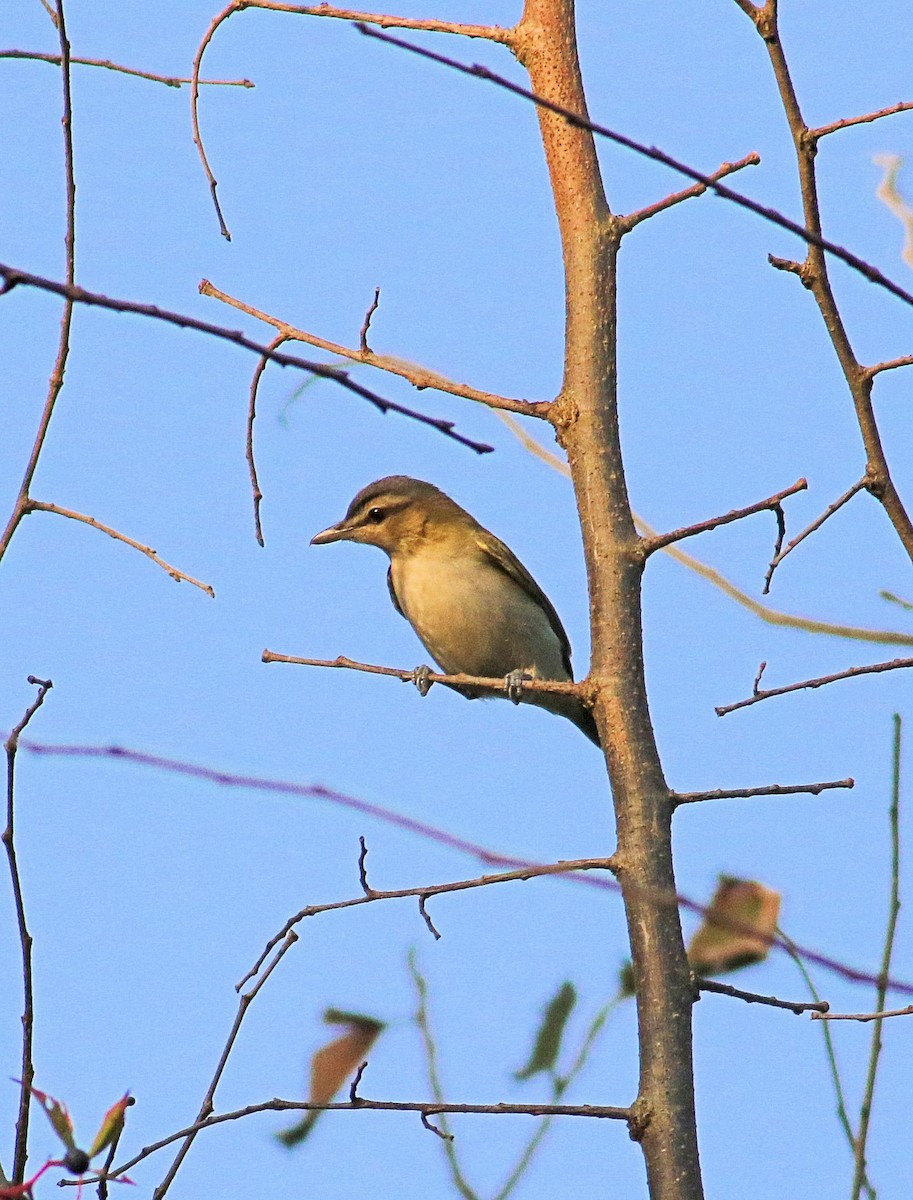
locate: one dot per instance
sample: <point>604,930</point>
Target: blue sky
<point>351,166</point>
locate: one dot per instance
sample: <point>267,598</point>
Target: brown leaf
<point>737,927</point>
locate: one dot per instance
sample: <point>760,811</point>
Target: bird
<point>475,607</point>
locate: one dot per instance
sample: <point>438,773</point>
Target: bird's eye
<point>376,515</point>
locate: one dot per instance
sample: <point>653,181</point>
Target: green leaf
<point>548,1040</point>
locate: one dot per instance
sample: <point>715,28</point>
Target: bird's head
<point>396,514</point>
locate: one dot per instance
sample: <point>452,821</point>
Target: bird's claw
<point>420,678</point>
<point>513,685</point>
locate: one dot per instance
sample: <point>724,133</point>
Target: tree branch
<point>178,576</point>
<point>13,278</point>
<point>816,524</point>
<point>772,503</point>
<point>726,989</point>
<point>631,220</point>
<point>548,686</point>
<point>772,789</point>
<point>762,694</point>
<point>867,118</point>
<point>420,377</point>
<point>172,81</point>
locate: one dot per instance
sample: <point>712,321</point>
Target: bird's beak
<point>336,533</point>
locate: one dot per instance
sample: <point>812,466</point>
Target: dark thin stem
<point>779,555</point>
<point>206,1108</point>
<point>366,324</point>
<point>26,1070</point>
<point>15,278</point>
<point>249,448</point>
<point>580,121</point>
<point>865,1111</point>
<point>772,503</point>
<point>793,1006</point>
<point>873,669</point>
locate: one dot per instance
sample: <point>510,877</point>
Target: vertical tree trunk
<point>587,426</point>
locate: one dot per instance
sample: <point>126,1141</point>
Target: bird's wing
<point>392,591</point>
<point>505,560</point>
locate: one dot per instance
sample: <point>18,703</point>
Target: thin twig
<point>580,122</point>
<point>813,273</point>
<point>172,81</point>
<point>771,616</point>
<point>773,789</point>
<point>871,1016</point>
<point>15,278</point>
<point>366,324</point>
<point>420,377</point>
<point>793,1006</point>
<point>890,365</point>
<point>867,118</point>
<point>491,32</point>
<point>651,544</point>
<point>205,1115</point>
<point>482,682</point>
<point>371,895</point>
<point>426,917</point>
<point>362,869</point>
<point>779,554</point>
<point>42,506</point>
<point>873,669</point>
<point>354,1097</point>
<point>422,829</point>
<point>249,449</point>
<point>633,219</point>
<point>430,1109</point>
<point>881,990</point>
<point>27,1069</point>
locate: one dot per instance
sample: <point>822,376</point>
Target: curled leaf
<point>547,1045</point>
<point>333,1064</point>
<point>737,928</point>
<point>57,1115</point>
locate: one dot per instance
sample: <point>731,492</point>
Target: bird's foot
<point>420,678</point>
<point>513,685</point>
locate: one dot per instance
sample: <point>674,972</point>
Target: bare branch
<point>550,686</point>
<point>420,377</point>
<point>205,1115</point>
<point>772,789</point>
<point>779,555</point>
<point>429,1109</point>
<point>631,220</point>
<point>249,447</point>
<point>41,506</point>
<point>651,544</point>
<point>492,33</point>
<point>867,118</point>
<point>432,833</point>
<point>863,1017</point>
<point>16,278</point>
<point>873,669</point>
<point>771,616</point>
<point>581,122</point>
<point>726,989</point>
<point>426,917</point>
<point>27,1068</point>
<point>891,365</point>
<point>371,895</point>
<point>172,81</point>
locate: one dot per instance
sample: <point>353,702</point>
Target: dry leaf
<point>737,927</point>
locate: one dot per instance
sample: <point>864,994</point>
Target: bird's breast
<point>473,618</point>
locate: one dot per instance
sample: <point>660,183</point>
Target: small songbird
<point>473,604</point>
